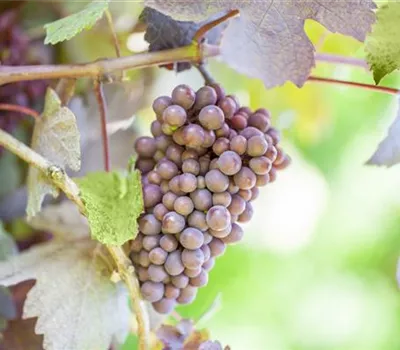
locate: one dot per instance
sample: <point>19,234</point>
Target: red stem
<point>20,109</point>
<point>371,87</point>
<point>98,88</point>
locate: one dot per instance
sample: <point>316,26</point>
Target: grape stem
<point>20,109</point>
<point>59,178</point>
<point>191,53</point>
<point>337,59</point>
<point>205,73</point>
<point>98,89</point>
<point>113,32</point>
<point>385,89</point>
<point>65,90</point>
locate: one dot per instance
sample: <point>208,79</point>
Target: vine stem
<point>101,101</point>
<point>388,90</point>
<point>113,32</point>
<point>20,109</point>
<point>58,176</point>
<point>336,59</point>
<point>191,53</point>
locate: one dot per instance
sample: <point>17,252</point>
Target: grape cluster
<point>201,171</point>
<point>15,51</point>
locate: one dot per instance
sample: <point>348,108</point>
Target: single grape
<point>151,242</point>
<point>211,117</point>
<point>151,195</point>
<point>144,258</point>
<point>180,281</point>
<point>149,225</point>
<point>218,218</point>
<point>173,265</point>
<point>235,235</point>
<point>142,273</point>
<point>154,178</point>
<point>162,142</point>
<point>188,294</point>
<point>232,188</point>
<point>222,198</point>
<point>247,213</point>
<point>256,146</point>
<point>173,223</point>
<point>204,162</point>
<point>169,243</point>
<point>214,164</point>
<point>167,129</point>
<point>237,206</point>
<point>255,192</point>
<point>238,121</point>
<point>202,199</point>
<point>209,138</point>
<point>159,211</point>
<point>259,121</point>
<point>224,131</point>
<point>284,164</point>
<point>183,205</point>
<point>245,194</point>
<point>158,256</point>
<point>217,247</point>
<point>260,165</point>
<point>192,259</point>
<point>190,154</point>
<point>171,292</point>
<point>137,243</point>
<point>193,135</point>
<point>197,219</point>
<point>191,238</point>
<point>145,165</point>
<point>152,291</point>
<point>275,135</point>
<point>206,251</point>
<point>177,136</point>
<point>250,132</point>
<point>205,96</point>
<point>164,186</point>
<point>216,181</point>
<point>187,182</point>
<point>228,106</point>
<point>155,128</point>
<point>220,145</point>
<point>238,144</point>
<point>192,272</point>
<point>219,90</point>
<point>262,180</point>
<point>174,116</point>
<point>145,147</point>
<point>167,169</point>
<point>159,155</point>
<point>174,154</point>
<point>191,166</point>
<point>221,233</point>
<point>168,200</point>
<point>209,264</point>
<point>160,104</point>
<point>164,306</point>
<point>207,237</point>
<point>201,280</point>
<point>201,182</point>
<point>245,179</point>
<point>183,95</point>
<point>156,273</point>
<point>229,163</point>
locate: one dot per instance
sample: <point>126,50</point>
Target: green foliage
<point>55,137</point>
<point>383,44</point>
<point>113,202</point>
<point>66,28</point>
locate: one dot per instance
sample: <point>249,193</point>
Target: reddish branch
<point>20,109</point>
<point>98,89</point>
<point>371,87</point>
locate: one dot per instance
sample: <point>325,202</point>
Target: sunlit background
<point>317,266</point>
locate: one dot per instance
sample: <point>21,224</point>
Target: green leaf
<point>55,137</point>
<point>113,202</point>
<point>66,28</point>
<point>383,44</point>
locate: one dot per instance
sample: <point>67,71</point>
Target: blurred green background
<point>317,267</point>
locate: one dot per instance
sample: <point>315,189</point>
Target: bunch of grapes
<point>15,51</point>
<point>201,172</point>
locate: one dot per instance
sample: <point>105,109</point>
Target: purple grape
<point>187,182</point>
<point>151,195</point>
<point>201,182</point>
<point>257,146</point>
<point>238,121</point>
<point>245,179</point>
<point>191,238</point>
<point>216,181</point>
<point>190,154</point>
<point>235,235</point>
<point>211,117</point>
<point>221,145</point>
<point>158,256</point>
<point>145,147</point>
<point>191,166</point>
<point>192,259</point>
<point>238,144</point>
<point>237,205</point>
<point>164,306</point>
<point>167,169</point>
<point>174,116</point>
<point>209,138</point>
<point>162,142</point>
<point>205,96</point>
<point>151,242</point>
<point>152,291</point>
<point>188,294</point>
<point>174,154</point>
<point>206,251</point>
<point>183,205</point>
<point>224,131</point>
<point>171,292</point>
<point>180,281</point>
<point>169,243</point>
<point>193,135</point>
<point>221,233</point>
<point>260,165</point>
<point>144,258</point>
<point>197,219</point>
<point>222,198</point>
<point>201,280</point>
<point>192,272</point>
<point>149,225</point>
<point>173,223</point>
<point>184,96</point>
<point>157,273</point>
<point>255,192</point>
<point>156,128</point>
<point>173,265</point>
<point>245,194</point>
<point>259,121</point>
<point>209,264</point>
<point>159,211</point>
<point>169,200</point>
<point>154,178</point>
<point>228,106</point>
<point>229,163</point>
<point>262,180</point>
<point>217,247</point>
<point>142,273</point>
<point>145,165</point>
<point>247,213</point>
<point>202,199</point>
<point>218,218</point>
<point>160,104</point>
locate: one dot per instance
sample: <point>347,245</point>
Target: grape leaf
<point>113,202</point>
<point>383,44</point>
<point>165,33</point>
<point>388,151</point>
<point>56,137</point>
<point>268,40</point>
<point>67,27</point>
<point>77,305</point>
